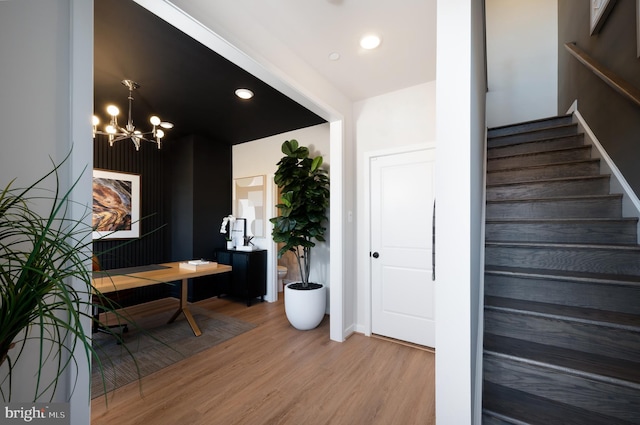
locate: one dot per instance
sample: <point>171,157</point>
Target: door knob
<point>375,255</point>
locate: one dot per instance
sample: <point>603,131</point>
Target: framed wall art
<point>248,203</point>
<point>116,205</point>
<point>600,9</point>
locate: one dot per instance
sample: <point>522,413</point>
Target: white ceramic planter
<point>305,308</point>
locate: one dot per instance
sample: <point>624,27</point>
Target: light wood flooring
<point>275,374</point>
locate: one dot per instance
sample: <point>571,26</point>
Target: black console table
<point>248,275</point>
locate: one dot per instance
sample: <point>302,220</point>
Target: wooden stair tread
<point>573,148</point>
<point>602,278</point>
<point>530,409</point>
<point>529,122</point>
<point>613,196</point>
<point>563,220</point>
<point>542,140</point>
<point>619,371</point>
<point>541,166</point>
<point>531,131</point>
<point>564,312</point>
<point>552,245</point>
<point>550,180</point>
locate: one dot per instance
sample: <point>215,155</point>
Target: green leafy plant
<point>46,290</point>
<point>304,188</point>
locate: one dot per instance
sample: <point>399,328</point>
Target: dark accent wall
<point>152,246</point>
<point>614,120</point>
<point>185,193</point>
<point>201,196</point>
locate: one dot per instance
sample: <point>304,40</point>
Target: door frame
<point>365,270</point>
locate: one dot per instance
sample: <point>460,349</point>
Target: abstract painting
<point>116,205</point>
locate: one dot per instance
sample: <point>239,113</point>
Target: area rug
<point>156,345</point>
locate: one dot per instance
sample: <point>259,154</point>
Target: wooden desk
<point>173,272</point>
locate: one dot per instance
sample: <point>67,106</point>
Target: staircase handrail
<point>618,83</point>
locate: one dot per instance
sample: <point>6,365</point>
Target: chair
<point>97,304</point>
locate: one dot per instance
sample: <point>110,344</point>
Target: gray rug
<point>156,345</point>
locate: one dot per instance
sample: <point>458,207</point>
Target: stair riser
<point>530,125</point>
<point>542,158</point>
<point>589,259</point>
<point>550,189</point>
<point>577,169</point>
<point>622,232</point>
<point>538,146</point>
<point>604,398</point>
<point>586,337</point>
<point>623,299</point>
<point>545,133</point>
<point>566,208</point>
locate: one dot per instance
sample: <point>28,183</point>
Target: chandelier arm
<point>129,131</point>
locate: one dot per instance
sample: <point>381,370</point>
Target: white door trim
<point>365,269</point>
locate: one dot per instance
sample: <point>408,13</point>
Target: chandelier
<point>116,133</point>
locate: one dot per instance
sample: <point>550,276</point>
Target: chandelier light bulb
<point>113,110</point>
<point>95,121</point>
<point>117,132</point>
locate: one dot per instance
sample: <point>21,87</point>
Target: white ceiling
<point>313,29</point>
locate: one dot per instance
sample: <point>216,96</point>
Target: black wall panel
<point>149,163</point>
<point>185,193</point>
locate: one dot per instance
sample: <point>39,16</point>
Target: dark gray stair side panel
<point>581,258</point>
<point>539,158</point>
<point>577,186</point>
<point>563,231</point>
<point>569,207</point>
<point>529,125</point>
<point>622,297</point>
<point>537,146</point>
<point>603,398</point>
<point>566,169</point>
<point>538,134</point>
<point>595,338</point>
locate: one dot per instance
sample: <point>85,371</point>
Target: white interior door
<point>402,288</point>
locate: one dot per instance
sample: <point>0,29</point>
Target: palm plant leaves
<point>45,284</point>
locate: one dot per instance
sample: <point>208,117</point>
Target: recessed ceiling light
<point>334,56</point>
<point>370,41</point>
<point>244,93</point>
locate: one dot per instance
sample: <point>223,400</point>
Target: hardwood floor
<point>275,374</point>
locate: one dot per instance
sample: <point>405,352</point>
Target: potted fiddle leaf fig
<point>46,290</point>
<point>304,188</point>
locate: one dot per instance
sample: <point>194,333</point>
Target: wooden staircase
<point>562,284</point>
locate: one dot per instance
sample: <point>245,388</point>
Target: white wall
<point>45,107</point>
<point>460,112</point>
<point>522,54</point>
<point>259,157</point>
<point>392,121</point>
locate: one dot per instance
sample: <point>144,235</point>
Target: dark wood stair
<point>562,284</point>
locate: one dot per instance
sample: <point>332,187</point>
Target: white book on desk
<point>198,265</point>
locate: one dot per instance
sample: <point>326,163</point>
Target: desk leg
<point>184,308</point>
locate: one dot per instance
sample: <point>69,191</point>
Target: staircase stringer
<point>618,184</point>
